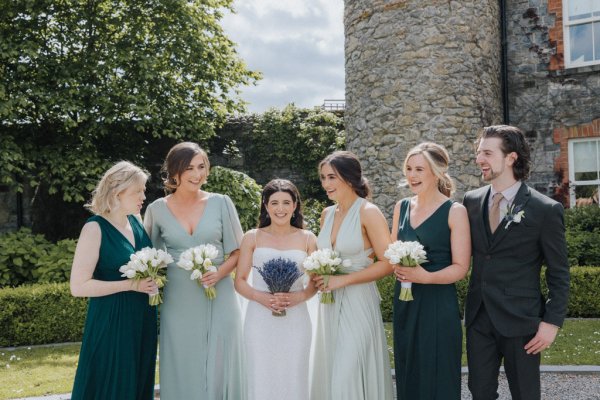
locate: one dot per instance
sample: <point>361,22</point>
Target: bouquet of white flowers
<point>148,263</point>
<point>325,262</point>
<point>407,254</point>
<point>199,260</point>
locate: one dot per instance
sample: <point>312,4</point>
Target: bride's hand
<point>288,300</point>
<point>268,300</point>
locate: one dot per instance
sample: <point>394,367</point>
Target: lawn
<point>38,371</point>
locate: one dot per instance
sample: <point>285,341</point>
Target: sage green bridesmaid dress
<point>118,352</point>
<point>201,355</point>
<point>351,359</point>
<point>427,330</point>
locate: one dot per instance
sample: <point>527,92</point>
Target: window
<point>581,25</point>
<point>584,171</point>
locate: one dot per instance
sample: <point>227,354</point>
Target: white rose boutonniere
<point>513,214</point>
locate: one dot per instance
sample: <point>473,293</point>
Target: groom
<point>514,230</point>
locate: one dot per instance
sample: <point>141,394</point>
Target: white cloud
<point>297,45</point>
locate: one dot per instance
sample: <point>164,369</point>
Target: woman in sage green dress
<point>427,330</point>
<point>351,359</point>
<point>200,339</point>
<point>118,352</point>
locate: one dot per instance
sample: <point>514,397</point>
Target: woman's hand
<point>411,274</point>
<point>211,278</point>
<point>269,301</point>
<point>147,286</point>
<point>284,301</point>
<point>329,283</point>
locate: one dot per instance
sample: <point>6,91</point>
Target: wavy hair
<point>280,185</point>
<point>178,159</point>
<point>438,159</point>
<point>118,178</point>
<point>513,140</point>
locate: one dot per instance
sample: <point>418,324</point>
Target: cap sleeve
<point>152,227</point>
<point>232,229</point>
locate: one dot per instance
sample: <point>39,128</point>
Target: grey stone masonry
<point>419,70</point>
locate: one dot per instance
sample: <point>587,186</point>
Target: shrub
<point>243,191</point>
<point>584,301</point>
<point>41,313</point>
<point>311,209</point>
<point>55,265</point>
<point>19,253</point>
<point>583,235</point>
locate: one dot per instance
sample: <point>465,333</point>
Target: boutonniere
<point>513,214</point>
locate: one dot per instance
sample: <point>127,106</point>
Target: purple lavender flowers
<point>279,274</point>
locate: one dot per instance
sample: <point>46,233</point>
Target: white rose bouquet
<point>325,262</point>
<point>199,260</point>
<point>407,254</point>
<point>148,263</point>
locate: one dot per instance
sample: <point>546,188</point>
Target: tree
<point>84,83</point>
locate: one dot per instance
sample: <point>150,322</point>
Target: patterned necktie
<point>495,211</point>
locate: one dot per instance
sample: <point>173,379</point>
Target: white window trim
<point>572,182</point>
<point>567,41</point>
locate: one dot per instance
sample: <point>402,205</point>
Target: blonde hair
<point>178,159</point>
<point>118,178</point>
<point>437,157</point>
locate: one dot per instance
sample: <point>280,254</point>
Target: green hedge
<point>583,235</point>
<point>47,313</point>
<point>40,313</point>
<point>584,301</point>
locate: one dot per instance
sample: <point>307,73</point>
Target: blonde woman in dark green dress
<point>200,339</point>
<point>118,352</point>
<point>427,330</point>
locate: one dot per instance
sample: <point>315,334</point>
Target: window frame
<point>567,40</point>
<point>572,182</point>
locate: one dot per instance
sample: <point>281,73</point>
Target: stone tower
<point>419,70</point>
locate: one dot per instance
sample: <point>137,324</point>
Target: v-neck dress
<point>200,339</point>
<point>427,330</point>
<point>118,352</point>
<point>351,359</point>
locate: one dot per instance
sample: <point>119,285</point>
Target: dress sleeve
<point>232,229</point>
<point>152,228</point>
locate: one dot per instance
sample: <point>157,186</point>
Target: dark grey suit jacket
<point>507,264</point>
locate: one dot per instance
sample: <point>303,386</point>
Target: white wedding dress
<point>277,347</point>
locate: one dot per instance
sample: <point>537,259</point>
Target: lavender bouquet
<point>279,274</point>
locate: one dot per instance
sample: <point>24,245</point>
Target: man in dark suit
<point>514,230</point>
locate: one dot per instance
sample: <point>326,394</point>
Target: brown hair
<point>280,185</point>
<point>347,166</point>
<point>513,140</point>
<point>178,159</point>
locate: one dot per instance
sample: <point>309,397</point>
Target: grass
<point>38,371</point>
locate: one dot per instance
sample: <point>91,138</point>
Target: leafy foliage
<point>38,314</point>
<point>311,210</point>
<point>84,84</point>
<point>583,235</point>
<point>56,264</point>
<point>292,139</point>
<point>243,191</point>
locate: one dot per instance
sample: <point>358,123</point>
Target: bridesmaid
<point>119,337</point>
<point>277,347</point>
<point>427,330</point>
<point>351,355</point>
<point>200,339</point>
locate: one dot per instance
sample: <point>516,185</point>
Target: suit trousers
<point>486,348</point>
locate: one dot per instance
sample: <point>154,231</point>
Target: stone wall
<point>543,95</point>
<point>419,70</point>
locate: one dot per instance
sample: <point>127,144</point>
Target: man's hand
<point>543,338</point>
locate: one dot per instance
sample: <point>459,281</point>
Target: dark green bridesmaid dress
<point>118,351</point>
<point>427,330</point>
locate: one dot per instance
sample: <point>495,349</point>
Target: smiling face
<point>494,164</point>
<point>281,207</point>
<point>132,198</point>
<point>335,187</point>
<point>194,175</point>
<point>419,175</point>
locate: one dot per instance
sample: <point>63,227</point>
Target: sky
<point>298,46</point>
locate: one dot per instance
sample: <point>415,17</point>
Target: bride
<point>277,347</point>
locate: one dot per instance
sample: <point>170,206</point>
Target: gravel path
<point>559,386</point>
